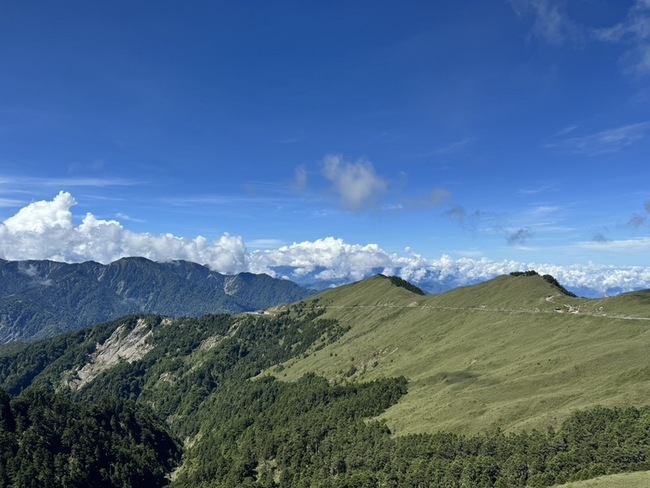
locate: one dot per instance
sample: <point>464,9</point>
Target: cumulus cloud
<point>336,261</point>
<point>46,230</point>
<point>357,184</point>
<point>39,216</point>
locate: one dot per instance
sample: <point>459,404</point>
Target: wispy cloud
<point>357,184</point>
<point>620,245</point>
<point>639,220</point>
<point>66,182</point>
<point>208,200</point>
<point>434,198</point>
<point>633,33</point>
<point>600,237</point>
<point>128,218</point>
<point>265,243</point>
<point>456,146</point>
<point>536,190</point>
<point>95,165</point>
<point>9,202</point>
<point>300,179</point>
<point>543,211</point>
<point>550,22</point>
<point>605,141</point>
<point>519,237</point>
<point>469,221</point>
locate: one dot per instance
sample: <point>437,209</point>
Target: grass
<point>640,479</point>
<point>512,353</point>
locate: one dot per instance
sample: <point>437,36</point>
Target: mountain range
<point>42,298</point>
<point>511,382</point>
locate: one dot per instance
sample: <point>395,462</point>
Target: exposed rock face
<point>120,346</point>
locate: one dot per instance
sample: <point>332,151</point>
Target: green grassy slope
<point>640,479</point>
<point>513,352</point>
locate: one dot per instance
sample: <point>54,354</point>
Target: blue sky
<point>497,131</point>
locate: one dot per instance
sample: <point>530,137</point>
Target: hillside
<point>493,385</point>
<point>639,479</point>
<point>514,352</point>
<point>43,298</point>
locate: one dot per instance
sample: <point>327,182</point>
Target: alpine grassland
<point>640,479</point>
<point>513,382</point>
<point>515,352</point>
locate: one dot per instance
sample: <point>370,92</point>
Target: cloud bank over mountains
<point>46,230</point>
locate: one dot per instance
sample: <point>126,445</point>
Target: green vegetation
<point>397,281</point>
<point>309,434</point>
<point>48,441</point>
<point>511,353</point>
<point>40,299</point>
<point>548,278</point>
<point>624,480</point>
<point>507,383</point>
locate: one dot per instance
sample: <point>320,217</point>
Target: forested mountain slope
<point>445,372</point>
<point>43,298</point>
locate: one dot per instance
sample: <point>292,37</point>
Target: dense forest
<point>200,386</point>
<point>49,441</point>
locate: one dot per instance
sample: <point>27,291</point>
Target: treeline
<point>548,278</point>
<point>49,441</point>
<point>196,358</point>
<point>313,434</point>
<point>202,379</point>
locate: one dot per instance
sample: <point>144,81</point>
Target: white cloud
<point>64,182</point>
<point>341,261</point>
<point>300,178</point>
<point>357,184</point>
<point>634,33</point>
<point>435,197</point>
<point>552,25</point>
<point>8,202</point>
<point>46,230</point>
<point>39,216</point>
<point>609,140</point>
<point>550,22</point>
<point>640,244</point>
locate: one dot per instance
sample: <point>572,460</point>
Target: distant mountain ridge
<point>42,298</point>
